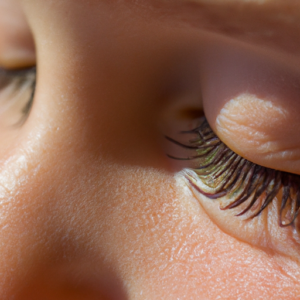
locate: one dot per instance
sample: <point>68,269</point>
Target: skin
<point>91,207</point>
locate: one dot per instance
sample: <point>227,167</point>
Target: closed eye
<point>221,173</point>
<point>253,198</point>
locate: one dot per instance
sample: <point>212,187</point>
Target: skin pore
<point>90,206</point>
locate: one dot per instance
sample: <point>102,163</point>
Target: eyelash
<point>20,78</point>
<point>225,173</point>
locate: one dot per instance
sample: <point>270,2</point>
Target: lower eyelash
<point>222,173</point>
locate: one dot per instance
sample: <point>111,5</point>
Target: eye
<point>254,203</point>
<point>16,95</point>
<point>17,67</point>
<point>221,173</point>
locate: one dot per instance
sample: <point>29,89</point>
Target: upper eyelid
<point>17,46</point>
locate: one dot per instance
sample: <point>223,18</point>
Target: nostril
<point>78,282</point>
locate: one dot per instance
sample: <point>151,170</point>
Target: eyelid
<point>252,102</point>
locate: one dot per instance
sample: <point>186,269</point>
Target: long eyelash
<point>222,173</point>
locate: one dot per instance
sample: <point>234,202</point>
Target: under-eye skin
<point>17,88</point>
<point>221,173</point>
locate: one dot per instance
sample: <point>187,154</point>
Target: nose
<point>88,152</point>
<point>54,177</point>
<point>92,115</point>
<point>51,211</point>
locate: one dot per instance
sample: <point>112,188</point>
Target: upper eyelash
<point>242,179</point>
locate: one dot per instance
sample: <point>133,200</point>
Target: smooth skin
<point>90,206</point>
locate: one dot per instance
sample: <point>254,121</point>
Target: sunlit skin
<point>90,205</point>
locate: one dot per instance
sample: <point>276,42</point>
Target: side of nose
<point>51,178</point>
<point>49,215</point>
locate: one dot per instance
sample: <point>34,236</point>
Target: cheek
<point>251,101</point>
<point>165,246</point>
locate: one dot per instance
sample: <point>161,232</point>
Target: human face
<point>91,206</point>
